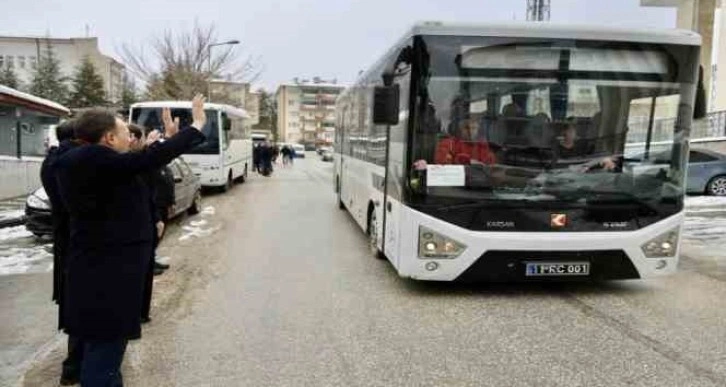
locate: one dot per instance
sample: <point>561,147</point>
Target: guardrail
<point>712,126</point>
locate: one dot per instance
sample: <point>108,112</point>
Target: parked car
<point>187,190</point>
<point>706,172</point>
<point>299,150</point>
<point>327,155</point>
<point>38,218</point>
<point>706,169</point>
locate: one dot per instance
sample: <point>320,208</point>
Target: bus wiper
<point>591,195</point>
<point>483,202</point>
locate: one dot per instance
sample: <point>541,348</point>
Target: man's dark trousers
<point>102,363</point>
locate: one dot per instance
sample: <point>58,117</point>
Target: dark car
<point>38,218</point>
<point>187,190</point>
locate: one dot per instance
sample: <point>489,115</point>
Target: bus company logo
<point>500,224</point>
<point>616,224</point>
<point>558,220</point>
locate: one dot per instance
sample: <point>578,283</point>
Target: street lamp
<point>209,58</point>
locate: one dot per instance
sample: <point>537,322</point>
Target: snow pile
<point>695,202</point>
<point>711,230</point>
<point>12,214</point>
<point>17,232</point>
<point>22,260</point>
<point>199,228</point>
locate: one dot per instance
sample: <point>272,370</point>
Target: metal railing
<point>712,126</point>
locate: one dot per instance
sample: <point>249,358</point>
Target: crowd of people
<point>110,192</point>
<point>265,155</point>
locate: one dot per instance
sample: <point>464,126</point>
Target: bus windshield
<point>543,122</point>
<point>151,118</point>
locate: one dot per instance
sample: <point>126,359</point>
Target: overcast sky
<point>297,38</point>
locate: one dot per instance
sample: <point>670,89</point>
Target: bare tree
<point>177,64</point>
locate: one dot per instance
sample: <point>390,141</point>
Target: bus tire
<point>227,186</point>
<point>373,234</point>
<point>341,205</point>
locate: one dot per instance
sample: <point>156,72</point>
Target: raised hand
<point>153,137</point>
<point>171,127</point>
<point>199,118</point>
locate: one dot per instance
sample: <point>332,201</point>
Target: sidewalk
<point>12,212</point>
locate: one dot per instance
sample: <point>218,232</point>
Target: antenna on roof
<point>88,31</point>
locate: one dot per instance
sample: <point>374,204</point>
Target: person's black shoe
<point>161,266</point>
<point>69,379</point>
<point>158,271</point>
<point>145,320</point>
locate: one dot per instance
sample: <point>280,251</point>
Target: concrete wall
<point>19,177</point>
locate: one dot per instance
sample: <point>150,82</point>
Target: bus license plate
<point>541,269</point>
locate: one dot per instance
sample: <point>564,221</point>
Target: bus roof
<point>188,105</point>
<point>559,31</point>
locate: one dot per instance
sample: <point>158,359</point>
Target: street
<point>273,285</point>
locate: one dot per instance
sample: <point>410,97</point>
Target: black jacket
<point>59,214</point>
<point>111,234</point>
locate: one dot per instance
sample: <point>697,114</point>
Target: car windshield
<point>507,122</point>
<point>151,118</point>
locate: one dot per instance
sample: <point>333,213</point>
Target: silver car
<point>706,172</point>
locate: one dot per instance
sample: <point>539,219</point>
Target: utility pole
<point>538,10</point>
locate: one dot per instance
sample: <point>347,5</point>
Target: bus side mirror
<point>385,105</point>
<point>226,125</point>
<point>699,107</point>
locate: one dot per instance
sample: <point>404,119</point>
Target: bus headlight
<point>663,245</point>
<point>434,245</point>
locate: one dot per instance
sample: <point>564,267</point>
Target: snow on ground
<point>710,202</point>
<point>199,228</point>
<point>10,233</point>
<point>11,214</point>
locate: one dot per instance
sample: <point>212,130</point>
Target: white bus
<point>225,156</point>
<point>497,152</point>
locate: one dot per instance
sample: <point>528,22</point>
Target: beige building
<point>708,18</point>
<point>238,94</point>
<point>306,110</point>
<point>22,53</point>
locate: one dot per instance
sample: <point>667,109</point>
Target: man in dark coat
<point>111,235</point>
<point>61,234</point>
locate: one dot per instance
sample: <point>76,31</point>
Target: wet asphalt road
<point>273,286</point>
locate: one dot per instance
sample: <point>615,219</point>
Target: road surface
<point>273,286</point>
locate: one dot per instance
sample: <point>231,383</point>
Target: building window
<point>291,102</point>
<point>21,62</point>
<point>10,61</point>
<point>33,61</point>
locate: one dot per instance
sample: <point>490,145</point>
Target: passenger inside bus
<point>463,147</point>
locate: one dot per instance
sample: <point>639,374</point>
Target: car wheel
<point>373,236</point>
<point>717,186</point>
<point>196,204</point>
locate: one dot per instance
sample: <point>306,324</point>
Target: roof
<point>188,105</point>
<point>312,85</point>
<point>559,31</point>
<point>32,101</point>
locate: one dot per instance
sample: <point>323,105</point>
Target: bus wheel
<point>373,236</point>
<point>229,183</point>
<point>341,205</point>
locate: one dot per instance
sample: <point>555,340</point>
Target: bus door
<point>395,171</point>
